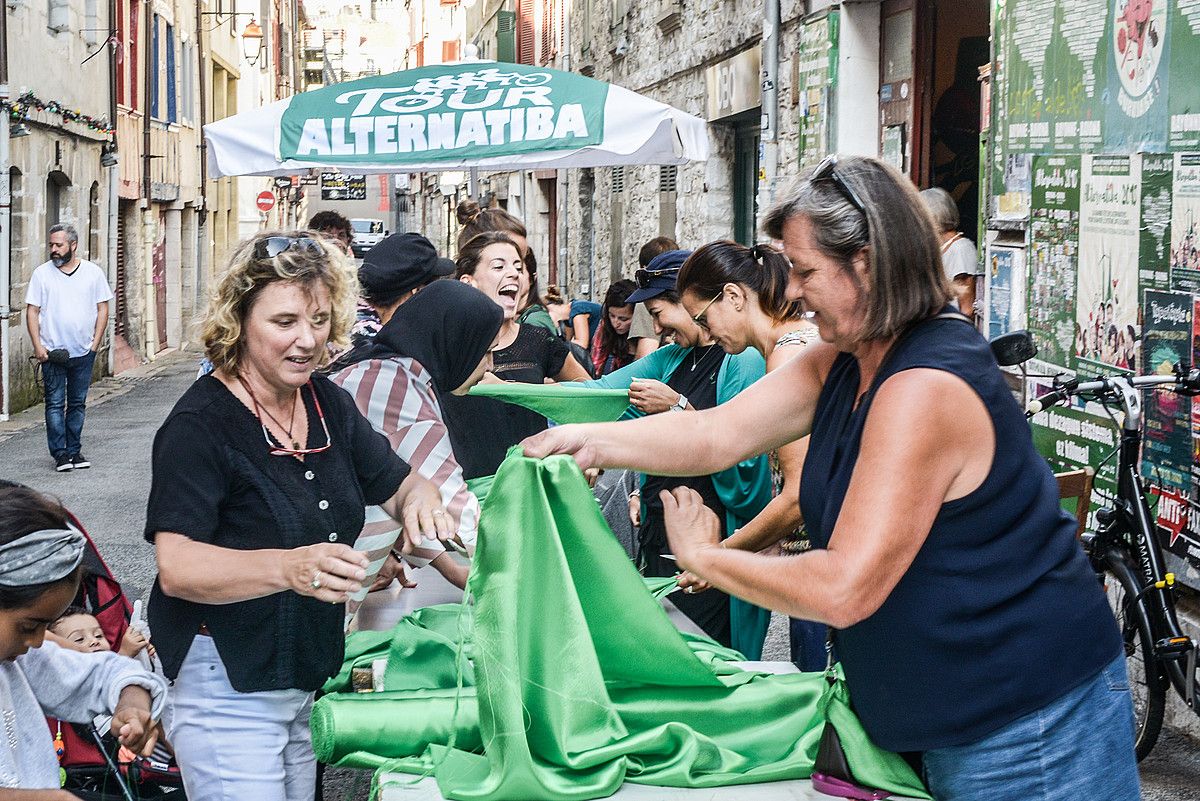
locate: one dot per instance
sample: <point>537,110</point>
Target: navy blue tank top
<point>1000,612</point>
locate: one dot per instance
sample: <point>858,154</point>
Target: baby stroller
<point>90,761</point>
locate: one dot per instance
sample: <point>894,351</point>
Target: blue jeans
<point>66,399</point>
<point>1079,746</point>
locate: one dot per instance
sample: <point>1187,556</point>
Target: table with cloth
<point>565,679</point>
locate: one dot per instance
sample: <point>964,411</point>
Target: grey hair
<point>942,209</point>
<point>69,230</point>
<point>905,280</point>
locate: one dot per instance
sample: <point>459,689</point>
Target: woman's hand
<point>691,583</point>
<point>131,722</point>
<point>417,505</point>
<point>329,572</point>
<point>391,570</point>
<point>691,526</point>
<point>571,440</point>
<point>652,397</point>
<point>635,510</point>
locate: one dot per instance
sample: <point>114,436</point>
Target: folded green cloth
<point>581,682</point>
<point>562,403</point>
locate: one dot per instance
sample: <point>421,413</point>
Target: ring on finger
<point>439,513</point>
<point>316,581</point>
<point>689,590</point>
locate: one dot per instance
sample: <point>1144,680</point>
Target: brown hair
<point>470,253</point>
<point>533,297</point>
<point>655,247</point>
<point>245,278</point>
<point>904,260</point>
<point>761,269</point>
<point>22,512</point>
<point>475,220</point>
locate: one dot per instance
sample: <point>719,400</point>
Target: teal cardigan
<point>745,489</point>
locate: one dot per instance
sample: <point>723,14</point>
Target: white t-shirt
<point>68,304</point>
<point>960,259</point>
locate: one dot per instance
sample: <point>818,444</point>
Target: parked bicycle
<point>1124,548</point>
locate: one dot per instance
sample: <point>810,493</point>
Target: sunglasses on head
<point>827,171</point>
<point>643,278</point>
<point>272,246</point>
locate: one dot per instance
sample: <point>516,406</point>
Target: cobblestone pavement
<point>110,498</point>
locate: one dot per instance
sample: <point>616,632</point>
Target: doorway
<point>746,138</point>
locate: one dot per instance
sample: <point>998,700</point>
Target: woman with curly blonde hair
<point>260,477</point>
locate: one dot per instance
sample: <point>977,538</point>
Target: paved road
<point>111,500</point>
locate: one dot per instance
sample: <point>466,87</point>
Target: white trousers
<point>234,746</point>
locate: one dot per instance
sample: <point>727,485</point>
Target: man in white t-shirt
<point>66,312</point>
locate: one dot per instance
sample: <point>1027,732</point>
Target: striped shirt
<point>397,396</point>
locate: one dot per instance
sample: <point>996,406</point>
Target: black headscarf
<point>448,327</point>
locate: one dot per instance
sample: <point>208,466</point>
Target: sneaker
<point>80,461</point>
<point>63,463</point>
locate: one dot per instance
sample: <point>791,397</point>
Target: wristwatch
<point>680,404</point>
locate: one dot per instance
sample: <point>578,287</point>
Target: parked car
<point>367,234</point>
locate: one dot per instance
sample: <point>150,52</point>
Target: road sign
<point>266,200</point>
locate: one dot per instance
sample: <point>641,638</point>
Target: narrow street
<point>110,499</point>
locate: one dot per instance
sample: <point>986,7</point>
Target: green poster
<point>1138,45</point>
<point>1071,438</point>
<point>1106,299</point>
<point>1155,247</point>
<point>446,111</point>
<point>1185,224</point>
<point>817,57</point>
<point>1054,257</point>
<point>1183,102</point>
<point>1166,342</point>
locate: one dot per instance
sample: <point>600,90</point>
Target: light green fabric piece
<point>537,315</point>
<point>480,487</point>
<point>583,682</point>
<point>562,403</point>
<point>745,489</point>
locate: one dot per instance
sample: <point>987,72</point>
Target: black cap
<point>399,263</point>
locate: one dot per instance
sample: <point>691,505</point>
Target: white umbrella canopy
<point>455,116</point>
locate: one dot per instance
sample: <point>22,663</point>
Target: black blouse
<point>214,481</point>
<point>483,429</point>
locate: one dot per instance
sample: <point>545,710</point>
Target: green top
<point>537,315</point>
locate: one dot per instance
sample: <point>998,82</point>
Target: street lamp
<point>252,42</point>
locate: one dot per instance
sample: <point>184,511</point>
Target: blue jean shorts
<point>1079,746</point>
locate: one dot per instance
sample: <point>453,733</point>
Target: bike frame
<point>1133,532</point>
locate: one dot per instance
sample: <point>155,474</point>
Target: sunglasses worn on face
<point>699,318</point>
<point>643,277</point>
<point>272,246</point>
<point>827,171</point>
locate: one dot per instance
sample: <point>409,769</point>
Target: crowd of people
<point>814,427</point>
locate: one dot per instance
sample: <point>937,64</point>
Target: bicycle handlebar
<point>1188,383</point>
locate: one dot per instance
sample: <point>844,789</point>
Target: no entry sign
<point>266,200</point>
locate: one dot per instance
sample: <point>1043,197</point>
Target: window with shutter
<point>135,101</point>
<point>154,50</point>
<point>420,53</point>
<point>449,51</point>
<point>172,105</point>
<point>526,42</point>
<point>506,36</point>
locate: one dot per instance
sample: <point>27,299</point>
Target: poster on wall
<point>1196,401</point>
<point>343,186</point>
<point>1167,341</point>
<point>1183,102</point>
<point>1106,298</point>
<point>1138,57</point>
<point>1155,247</point>
<point>1004,310</point>
<point>1054,256</point>
<point>816,75</point>
<point>1185,224</point>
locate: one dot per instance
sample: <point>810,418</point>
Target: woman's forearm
<point>8,794</point>
<point>778,518</point>
<point>202,573</point>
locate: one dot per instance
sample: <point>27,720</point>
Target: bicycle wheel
<point>1147,683</point>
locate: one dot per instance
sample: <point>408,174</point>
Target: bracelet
<point>637,493</point>
<point>395,555</point>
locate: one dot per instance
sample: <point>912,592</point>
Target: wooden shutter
<point>449,51</point>
<point>420,53</point>
<point>526,42</point>
<point>506,36</point>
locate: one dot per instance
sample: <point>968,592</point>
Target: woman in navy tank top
<point>973,633</point>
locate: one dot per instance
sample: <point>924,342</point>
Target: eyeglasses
<point>643,278</point>
<point>699,318</point>
<point>280,450</point>
<point>827,171</point>
<point>272,246</point>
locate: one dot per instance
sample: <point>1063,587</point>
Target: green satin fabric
<point>562,403</point>
<point>582,682</point>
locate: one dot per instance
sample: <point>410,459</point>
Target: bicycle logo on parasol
<point>500,88</point>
